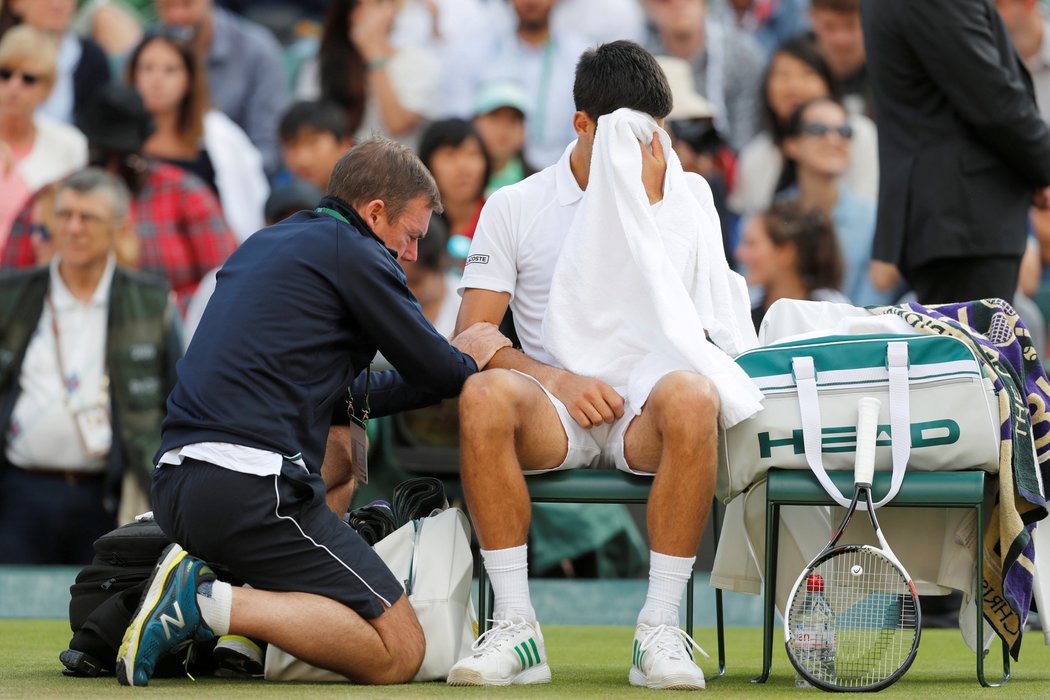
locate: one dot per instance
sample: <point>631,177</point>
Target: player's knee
<point>686,398</point>
<point>489,397</point>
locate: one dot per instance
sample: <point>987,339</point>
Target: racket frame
<point>867,415</point>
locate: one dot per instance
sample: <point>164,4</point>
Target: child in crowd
<point>314,134</point>
<point>455,154</point>
<point>500,111</point>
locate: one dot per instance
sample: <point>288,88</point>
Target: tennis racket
<point>853,619</point>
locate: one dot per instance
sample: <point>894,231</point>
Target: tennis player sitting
<point>612,263</point>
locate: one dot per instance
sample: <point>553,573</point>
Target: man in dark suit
<point>962,149</point>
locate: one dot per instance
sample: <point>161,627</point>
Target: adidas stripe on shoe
<point>662,657</point>
<point>511,652</point>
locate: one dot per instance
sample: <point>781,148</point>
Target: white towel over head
<point>636,285</point>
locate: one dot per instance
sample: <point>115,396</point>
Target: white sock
<point>668,577</point>
<point>508,570</point>
<point>215,599</point>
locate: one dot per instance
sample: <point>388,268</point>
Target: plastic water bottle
<point>815,633</point>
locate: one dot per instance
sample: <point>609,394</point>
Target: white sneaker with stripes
<point>663,658</point>
<point>511,652</point>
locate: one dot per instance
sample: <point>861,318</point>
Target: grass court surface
<point>585,662</point>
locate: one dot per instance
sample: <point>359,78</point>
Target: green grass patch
<point>585,661</point>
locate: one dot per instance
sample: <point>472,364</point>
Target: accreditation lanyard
<point>93,423</point>
<point>67,380</point>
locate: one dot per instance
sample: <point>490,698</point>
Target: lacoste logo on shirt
<point>479,259</point>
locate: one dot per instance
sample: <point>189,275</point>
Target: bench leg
<point>484,601</point>
<point>719,623</point>
<point>689,604</point>
<point>769,589</point>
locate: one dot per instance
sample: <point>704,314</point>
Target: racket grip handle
<point>867,430</point>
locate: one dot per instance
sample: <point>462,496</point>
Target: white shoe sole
<point>470,676</point>
<point>673,682</point>
<point>129,646</point>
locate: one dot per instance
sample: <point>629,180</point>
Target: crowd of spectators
<point>220,115</point>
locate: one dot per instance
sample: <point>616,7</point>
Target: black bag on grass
<point>106,594</point>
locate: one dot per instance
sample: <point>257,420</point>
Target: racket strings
<point>873,621</point>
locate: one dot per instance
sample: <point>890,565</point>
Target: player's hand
<point>654,165</point>
<point>481,341</point>
<point>590,402</point>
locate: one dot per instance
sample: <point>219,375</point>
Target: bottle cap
<point>815,583</point>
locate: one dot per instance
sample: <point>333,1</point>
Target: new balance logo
<point>178,621</point>
<point>528,654</point>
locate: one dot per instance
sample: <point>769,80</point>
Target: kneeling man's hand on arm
<point>481,341</point>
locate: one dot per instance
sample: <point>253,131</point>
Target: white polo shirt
<point>520,235</point>
<point>42,432</point>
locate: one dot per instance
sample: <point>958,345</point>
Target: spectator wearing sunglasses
<point>818,141</point>
<point>82,66</point>
<point>34,150</point>
<point>796,74</point>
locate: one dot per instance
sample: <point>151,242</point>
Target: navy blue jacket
<point>298,312</point>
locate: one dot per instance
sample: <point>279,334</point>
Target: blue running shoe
<point>168,617</point>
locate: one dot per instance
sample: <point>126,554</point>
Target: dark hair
<point>193,105</point>
<point>801,48</point>
<point>794,122</point>
<point>320,115</point>
<point>452,133</point>
<point>818,259</point>
<point>383,169</point>
<point>432,253</point>
<point>343,71</point>
<point>620,74</point>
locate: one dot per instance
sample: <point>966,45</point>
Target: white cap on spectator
<point>688,103</point>
<point>501,93</point>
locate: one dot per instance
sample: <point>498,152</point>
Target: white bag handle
<point>900,420</point>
